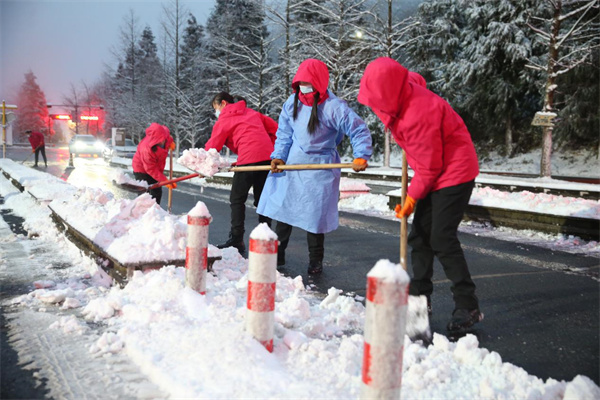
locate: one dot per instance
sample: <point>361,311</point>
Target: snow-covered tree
<point>195,107</point>
<point>570,32</point>
<point>32,112</point>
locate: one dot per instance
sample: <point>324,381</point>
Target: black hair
<point>313,122</point>
<point>219,97</point>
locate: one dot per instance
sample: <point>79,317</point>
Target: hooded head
<point>157,133</point>
<point>417,78</point>
<point>313,71</point>
<point>316,73</point>
<point>384,87</point>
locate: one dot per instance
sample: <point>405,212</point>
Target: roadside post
<point>196,251</point>
<point>262,275</point>
<point>385,325</point>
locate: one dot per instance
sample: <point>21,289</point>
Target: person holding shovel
<point>312,123</point>
<point>151,157</point>
<point>36,139</point>
<point>439,149</point>
<point>250,135</point>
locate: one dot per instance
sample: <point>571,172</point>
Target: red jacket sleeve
<point>218,137</point>
<point>270,126</point>
<point>424,144</point>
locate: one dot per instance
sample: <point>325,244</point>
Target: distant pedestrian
<point>312,124</point>
<point>38,146</point>
<point>151,157</point>
<point>439,149</point>
<point>250,135</point>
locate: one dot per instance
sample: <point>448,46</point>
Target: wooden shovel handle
<point>290,167</point>
<point>404,222</point>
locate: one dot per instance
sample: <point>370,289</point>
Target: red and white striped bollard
<point>262,274</point>
<point>196,251</point>
<point>385,325</point>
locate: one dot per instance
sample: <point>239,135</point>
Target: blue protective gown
<point>308,199</point>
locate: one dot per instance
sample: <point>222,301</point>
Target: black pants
<point>434,233</point>
<point>316,242</point>
<point>41,149</point>
<point>242,182</point>
<point>155,193</point>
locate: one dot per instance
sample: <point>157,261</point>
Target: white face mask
<point>306,89</point>
<point>217,112</point>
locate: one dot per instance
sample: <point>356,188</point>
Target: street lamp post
<point>4,108</point>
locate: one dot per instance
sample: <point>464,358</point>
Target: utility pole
<point>4,108</point>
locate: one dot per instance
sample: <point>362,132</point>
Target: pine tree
<point>32,111</point>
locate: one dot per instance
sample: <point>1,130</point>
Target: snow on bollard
<point>196,251</point>
<point>262,272</point>
<point>385,324</point>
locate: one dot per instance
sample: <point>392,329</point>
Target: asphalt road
<point>541,307</point>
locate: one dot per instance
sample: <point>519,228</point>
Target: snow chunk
<point>200,210</point>
<point>263,232</point>
<point>204,162</point>
<point>124,178</point>
<point>389,272</point>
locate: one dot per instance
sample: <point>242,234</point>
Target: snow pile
<point>123,178</point>
<point>532,202</point>
<point>351,188</point>
<point>41,185</point>
<point>195,346</point>
<point>536,202</point>
<point>204,162</point>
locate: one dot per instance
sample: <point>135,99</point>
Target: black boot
<point>280,259</point>
<point>463,319</point>
<point>315,267</point>
<point>236,241</point>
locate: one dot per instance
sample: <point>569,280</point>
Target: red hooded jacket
<point>36,139</point>
<point>246,132</point>
<point>437,143</point>
<point>316,72</point>
<point>153,162</point>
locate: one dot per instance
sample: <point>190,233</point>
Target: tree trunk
<point>508,133</point>
<point>545,164</point>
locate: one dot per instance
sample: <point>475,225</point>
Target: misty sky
<point>69,41</point>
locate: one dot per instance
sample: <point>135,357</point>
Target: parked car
<point>85,145</point>
<point>127,151</point>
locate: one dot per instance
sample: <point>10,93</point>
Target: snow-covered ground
<point>157,338</point>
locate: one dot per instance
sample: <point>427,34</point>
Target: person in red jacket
<point>250,135</point>
<point>439,149</point>
<point>151,156</point>
<point>38,146</point>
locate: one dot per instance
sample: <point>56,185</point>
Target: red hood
<point>417,78</point>
<point>383,87</point>
<point>156,133</point>
<point>232,109</point>
<point>315,72</point>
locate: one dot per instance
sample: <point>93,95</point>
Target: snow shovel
<point>417,318</point>
<point>28,156</point>
<point>249,168</point>
<point>291,167</point>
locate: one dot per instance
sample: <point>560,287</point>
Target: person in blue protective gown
<point>312,123</point>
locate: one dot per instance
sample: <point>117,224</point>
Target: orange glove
<point>407,209</point>
<point>172,146</point>
<point>33,151</point>
<point>172,185</point>
<point>274,163</point>
<point>359,164</point>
